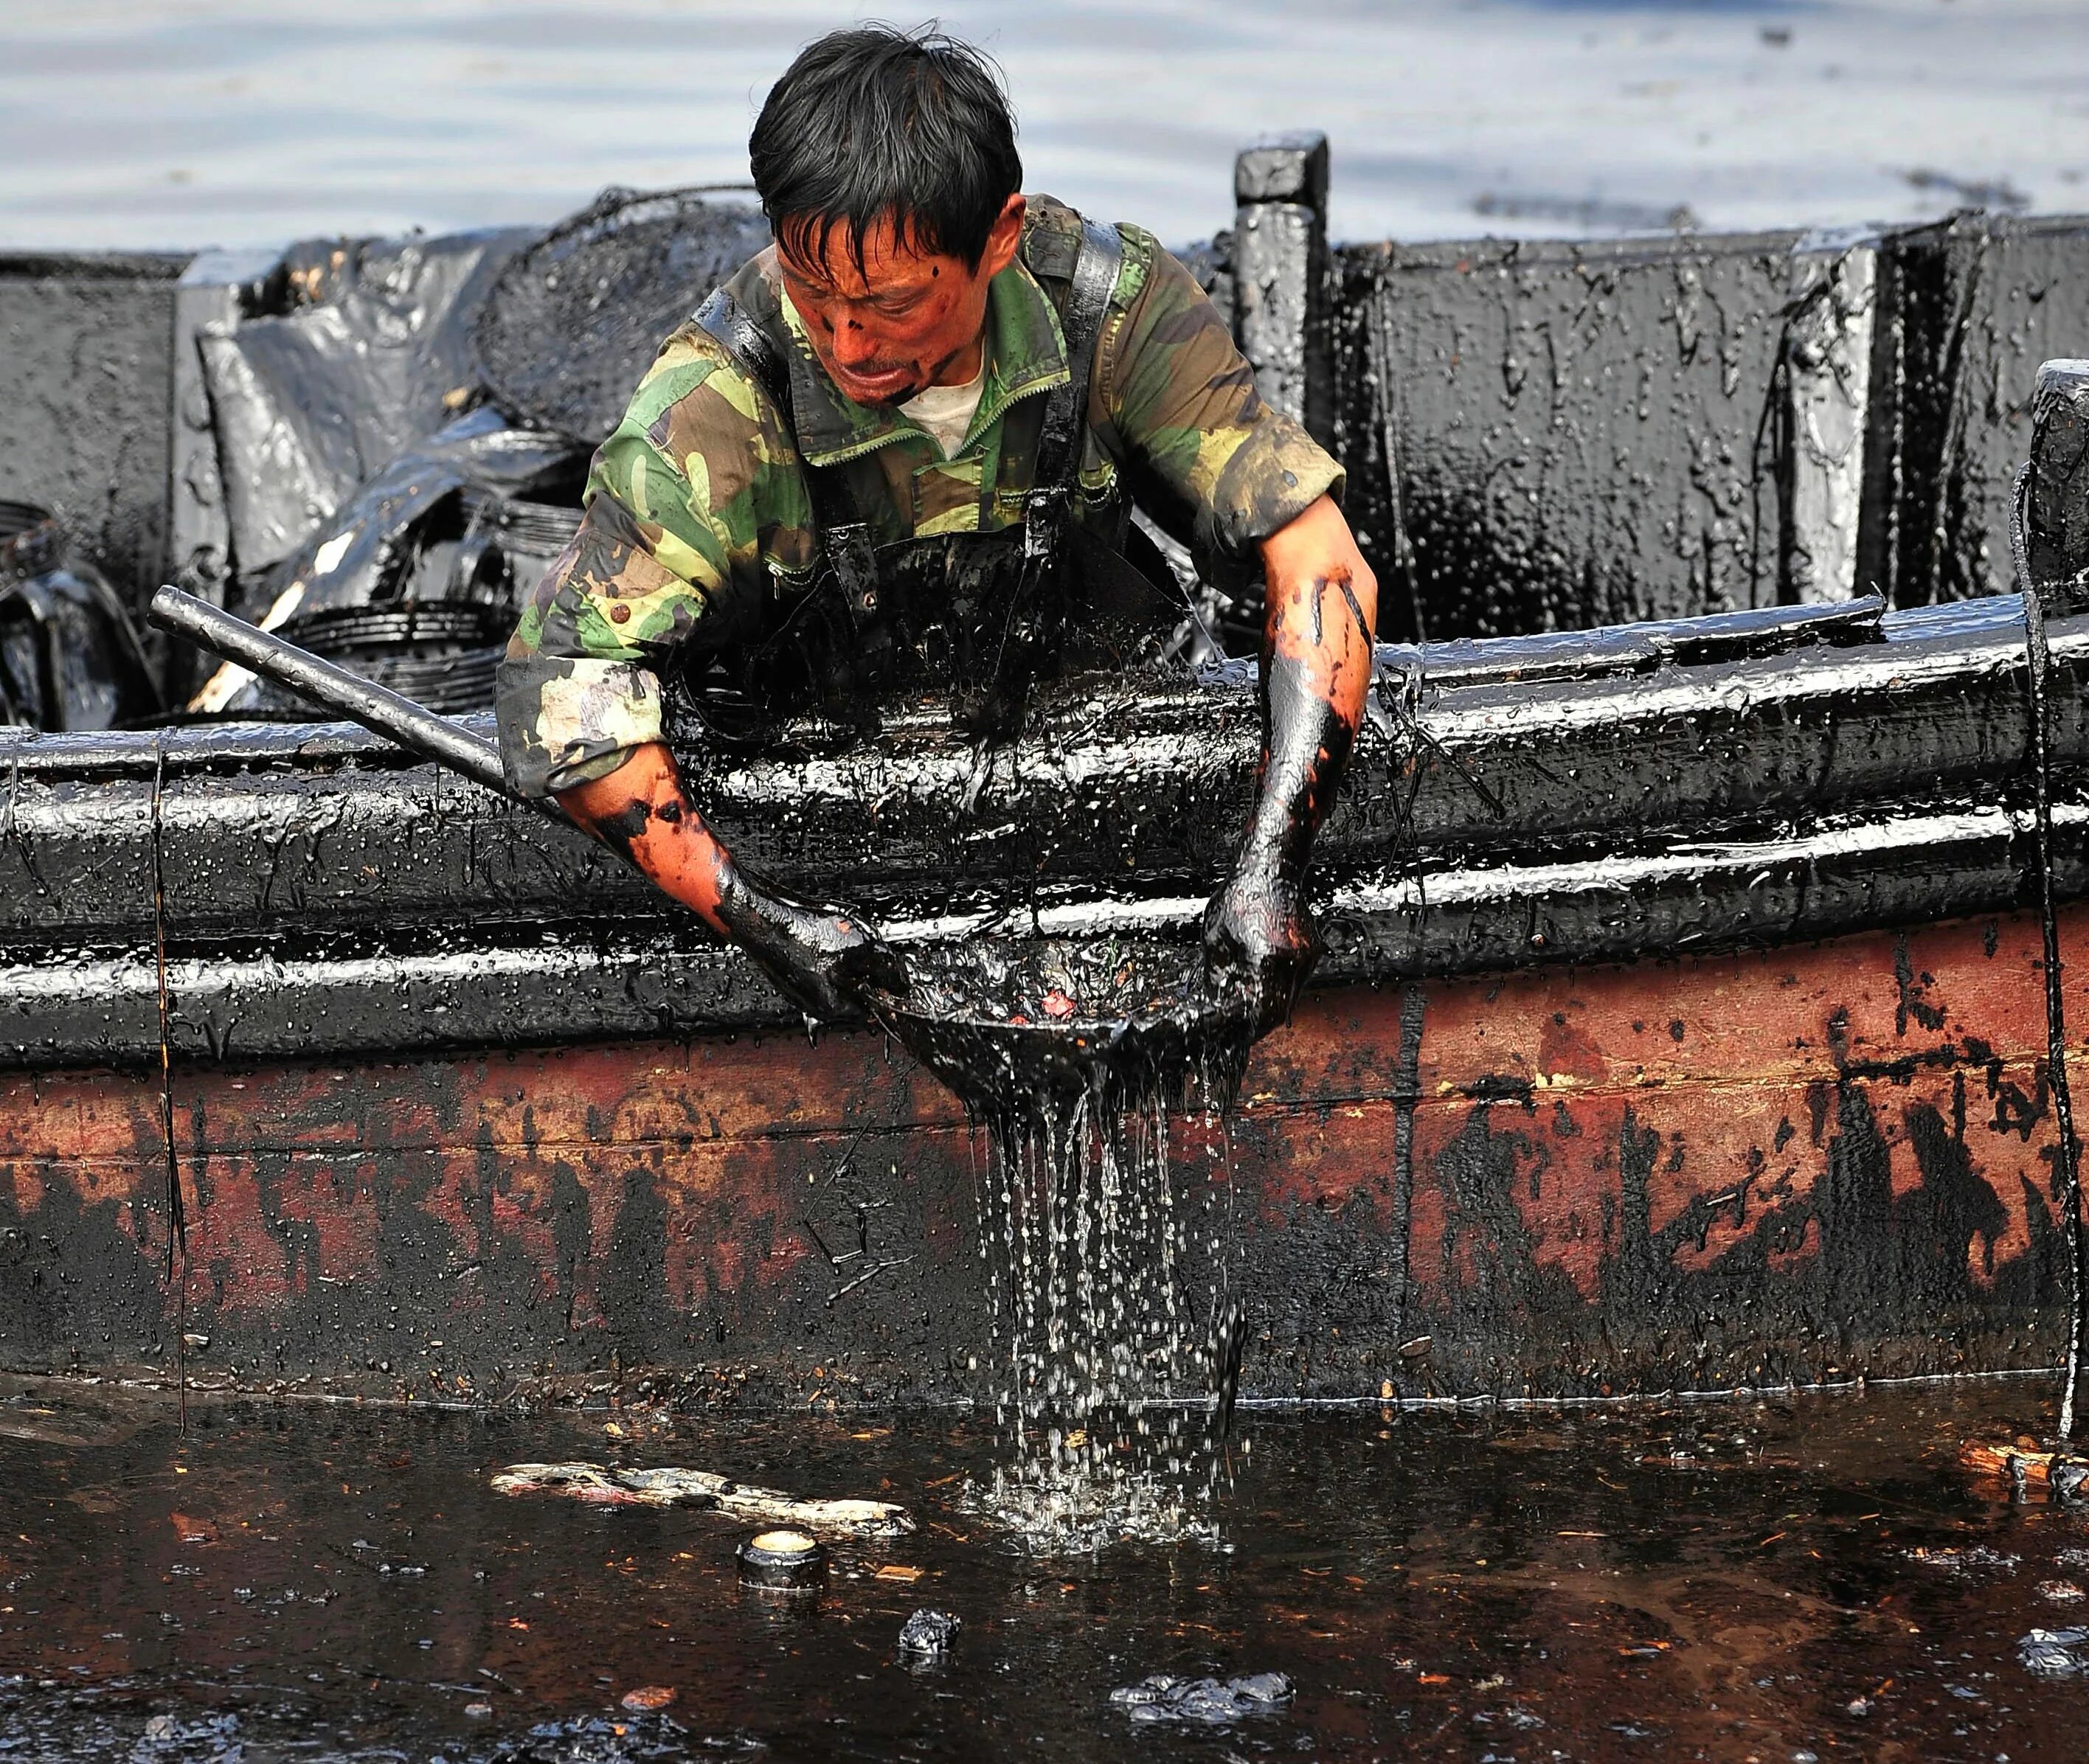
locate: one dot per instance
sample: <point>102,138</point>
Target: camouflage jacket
<point>697,506</point>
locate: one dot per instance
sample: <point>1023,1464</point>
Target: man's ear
<point>1005,238</point>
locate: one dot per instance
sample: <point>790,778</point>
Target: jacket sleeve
<point>668,552</point>
<point>1182,399</point>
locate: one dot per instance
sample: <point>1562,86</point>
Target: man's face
<point>906,320</point>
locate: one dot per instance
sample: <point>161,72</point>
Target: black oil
<point>1729,1579</point>
<point>1105,1341</point>
<point>1031,1033</point>
<point>1112,1306</point>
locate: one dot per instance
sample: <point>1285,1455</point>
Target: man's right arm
<point>817,955</point>
<point>667,550</point>
<point>677,501</point>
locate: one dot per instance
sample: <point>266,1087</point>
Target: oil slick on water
<point>1770,1575</point>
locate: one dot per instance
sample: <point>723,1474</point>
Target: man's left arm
<point>1181,401</point>
<point>1316,670</point>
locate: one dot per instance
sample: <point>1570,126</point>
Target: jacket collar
<point>1025,352</point>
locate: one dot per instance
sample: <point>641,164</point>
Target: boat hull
<point>1819,1162</point>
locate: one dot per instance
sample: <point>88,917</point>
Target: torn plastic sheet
<point>310,403</point>
<point>420,531</point>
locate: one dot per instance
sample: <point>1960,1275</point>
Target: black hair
<point>874,123</point>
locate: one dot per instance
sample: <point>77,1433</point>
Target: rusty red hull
<point>1805,1164</point>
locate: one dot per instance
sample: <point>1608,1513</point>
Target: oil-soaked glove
<point>1258,937</point>
<point>1260,945</point>
<point>820,956</point>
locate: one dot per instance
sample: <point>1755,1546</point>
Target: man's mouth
<point>883,385</point>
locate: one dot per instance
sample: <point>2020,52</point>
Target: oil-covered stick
<point>378,708</point>
<point>793,943</point>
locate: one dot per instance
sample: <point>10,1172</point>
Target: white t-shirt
<point>946,412</point>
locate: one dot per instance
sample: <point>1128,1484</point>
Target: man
<point>910,429</point>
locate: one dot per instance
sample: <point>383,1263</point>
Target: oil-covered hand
<point>820,956</point>
<point>1316,669</point>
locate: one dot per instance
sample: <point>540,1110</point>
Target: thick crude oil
<point>1796,1577</point>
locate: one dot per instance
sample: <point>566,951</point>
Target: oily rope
<point>2038,657</point>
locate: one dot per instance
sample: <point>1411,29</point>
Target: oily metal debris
<point>926,1635</point>
<point>69,657</point>
<point>1204,1702</point>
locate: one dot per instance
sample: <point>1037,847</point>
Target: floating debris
<point>1968,1561</point>
<point>2028,1469</point>
<point>1211,1702</point>
<point>627,1737</point>
<point>2055,1653</point>
<point>782,1561</point>
<point>600,1485</point>
<point>927,1635</point>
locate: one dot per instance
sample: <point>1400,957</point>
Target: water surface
<point>1726,1580</point>
<point>127,123</point>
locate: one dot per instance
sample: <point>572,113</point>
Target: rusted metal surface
<point>1802,1163</point>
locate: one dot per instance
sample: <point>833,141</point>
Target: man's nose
<point>853,344</point>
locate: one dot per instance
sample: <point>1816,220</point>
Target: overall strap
<point>844,538</point>
<point>751,352</point>
<point>1066,407</point>
<point>1032,621</point>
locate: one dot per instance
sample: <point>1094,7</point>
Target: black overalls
<point>981,616</point>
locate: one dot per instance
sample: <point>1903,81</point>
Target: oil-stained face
<point>906,319</point>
